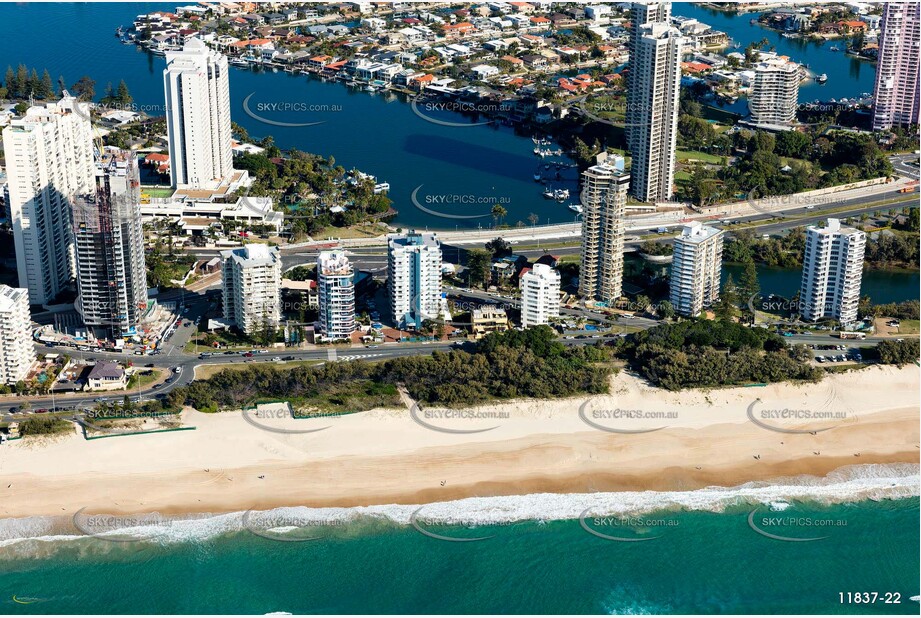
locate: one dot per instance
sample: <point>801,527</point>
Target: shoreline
<point>383,456</point>
<point>848,484</point>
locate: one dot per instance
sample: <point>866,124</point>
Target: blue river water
<point>458,170</point>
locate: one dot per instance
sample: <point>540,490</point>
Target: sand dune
<point>699,438</point>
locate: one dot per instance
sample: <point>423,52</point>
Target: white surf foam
<point>848,484</point>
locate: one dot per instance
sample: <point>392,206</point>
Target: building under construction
<point>111,273</point>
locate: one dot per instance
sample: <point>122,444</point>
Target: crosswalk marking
<point>355,357</point>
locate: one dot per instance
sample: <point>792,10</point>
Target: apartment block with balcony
<point>604,201</point>
<point>540,296</point>
<point>336,295</point>
<point>652,110</point>
<point>775,94</point>
<point>697,262</point>
<point>49,159</point>
<point>832,271</point>
<point>897,93</point>
<point>414,278</point>
<point>252,287</point>
<point>16,351</point>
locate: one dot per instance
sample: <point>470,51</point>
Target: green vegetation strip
<point>138,433</point>
<point>513,364</point>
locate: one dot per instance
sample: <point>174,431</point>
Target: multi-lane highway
<point>372,258</point>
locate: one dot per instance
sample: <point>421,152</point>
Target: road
<point>187,363</point>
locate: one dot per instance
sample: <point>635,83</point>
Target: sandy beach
<point>682,441</point>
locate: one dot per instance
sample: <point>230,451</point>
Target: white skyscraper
<point>897,94</point>
<point>604,200</point>
<point>16,351</point>
<point>252,287</point>
<point>414,271</point>
<point>198,115</point>
<point>653,110</point>
<point>109,242</point>
<point>696,264</point>
<point>775,93</point>
<point>49,159</point>
<point>540,295</point>
<point>640,14</point>
<point>336,289</point>
<point>832,270</point>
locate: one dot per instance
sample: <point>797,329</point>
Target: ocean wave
<point>849,484</point>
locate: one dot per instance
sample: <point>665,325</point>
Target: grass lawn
<point>229,340</point>
<point>204,372</point>
<point>909,327</point>
<point>685,155</point>
<point>362,230</point>
<point>157,192</point>
<point>145,377</point>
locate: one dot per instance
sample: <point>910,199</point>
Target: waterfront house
<point>421,82</point>
<point>318,63</point>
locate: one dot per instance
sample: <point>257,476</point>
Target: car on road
<point>288,358</point>
<point>248,354</point>
<point>177,370</point>
<point>820,359</point>
<point>276,359</point>
<point>14,410</point>
<point>372,347</point>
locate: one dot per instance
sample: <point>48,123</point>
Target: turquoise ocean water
<point>701,554</point>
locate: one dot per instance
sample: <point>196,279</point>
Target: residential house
<point>106,376</point>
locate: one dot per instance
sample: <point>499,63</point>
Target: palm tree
<point>498,213</point>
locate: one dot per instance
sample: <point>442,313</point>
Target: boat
<point>575,208</point>
<point>538,177</point>
<point>833,48</point>
<point>564,193</point>
<point>549,194</point>
<point>156,51</point>
<point>119,32</point>
<point>238,62</point>
<point>822,78</point>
